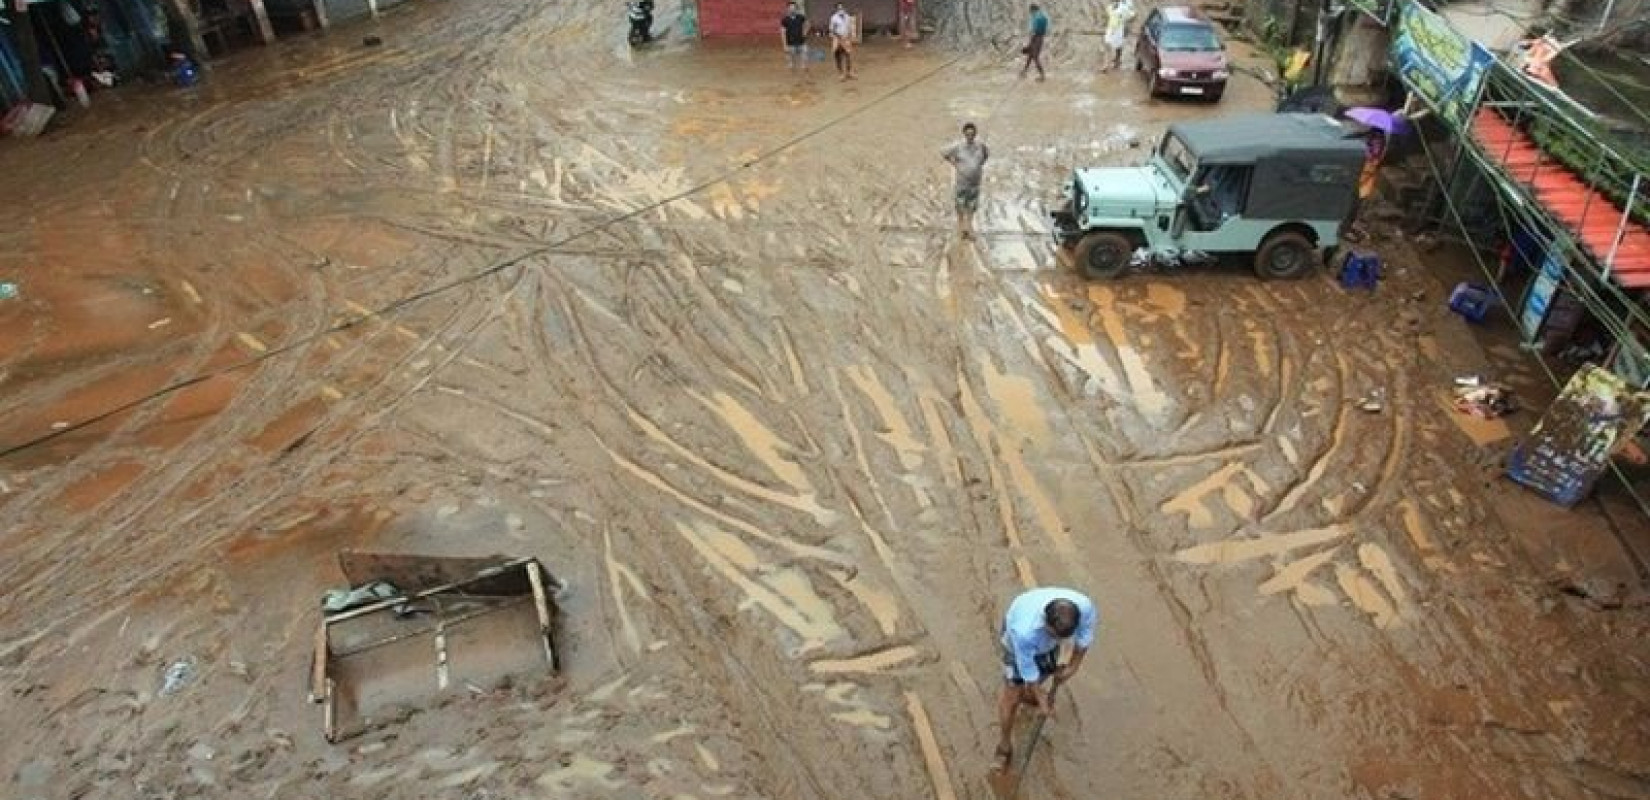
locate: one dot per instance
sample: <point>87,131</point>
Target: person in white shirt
<point>1117,29</point>
<point>842,42</point>
<point>1033,628</point>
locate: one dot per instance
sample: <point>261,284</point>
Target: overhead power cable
<point>402,303</point>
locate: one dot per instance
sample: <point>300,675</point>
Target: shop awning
<point>1590,216</point>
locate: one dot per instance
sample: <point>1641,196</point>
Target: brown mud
<point>725,370</point>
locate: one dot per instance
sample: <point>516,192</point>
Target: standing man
<point>842,42</point>
<point>908,21</point>
<point>1035,625</point>
<point>793,29</point>
<point>1034,49</point>
<point>967,158</point>
<point>1117,30</point>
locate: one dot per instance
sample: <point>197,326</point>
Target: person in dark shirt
<point>1034,49</point>
<point>794,29</point>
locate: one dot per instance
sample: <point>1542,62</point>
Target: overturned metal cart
<point>432,625</point>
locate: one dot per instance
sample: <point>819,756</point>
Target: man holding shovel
<point>1035,625</point>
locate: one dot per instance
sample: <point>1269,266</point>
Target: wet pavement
<point>695,333</point>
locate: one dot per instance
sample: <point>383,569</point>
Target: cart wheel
<point>1285,255</point>
<point>1103,256</point>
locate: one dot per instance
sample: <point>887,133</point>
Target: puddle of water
<point>98,487</point>
<point>784,592</point>
<point>1294,574</point>
<point>884,607</point>
<point>759,439</point>
<point>864,718</point>
<point>707,758</point>
<point>1191,501</point>
<point>805,502</point>
<point>1167,299</point>
<point>1149,399</point>
<point>580,770</point>
<point>1380,565</point>
<point>931,753</point>
<point>1016,399</point>
<point>665,736</point>
<point>1231,551</point>
<point>897,433</point>
<point>1366,595</point>
<point>871,662</point>
<point>1417,529</point>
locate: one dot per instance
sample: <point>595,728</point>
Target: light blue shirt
<point>1026,634</point>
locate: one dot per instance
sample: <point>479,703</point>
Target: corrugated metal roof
<point>1590,216</point>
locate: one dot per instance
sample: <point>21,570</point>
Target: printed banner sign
<point>1595,415</point>
<point>1540,297</point>
<point>1440,65</point>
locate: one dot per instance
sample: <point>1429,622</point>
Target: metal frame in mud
<point>442,598</point>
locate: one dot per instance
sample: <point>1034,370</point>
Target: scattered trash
<point>485,611</point>
<point>336,600</point>
<point>1483,400</point>
<point>177,676</point>
<point>59,425</point>
<point>26,119</point>
<point>160,323</point>
<point>8,290</point>
<point>1373,402</point>
<point>1471,301</point>
<point>184,71</point>
<point>201,751</point>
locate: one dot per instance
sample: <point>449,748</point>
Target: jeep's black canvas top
<point>1248,138</point>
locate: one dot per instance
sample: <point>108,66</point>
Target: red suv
<point>1183,52</point>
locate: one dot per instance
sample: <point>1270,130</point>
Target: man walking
<point>1035,625</point>
<point>1034,49</point>
<point>842,42</point>
<point>1117,30</point>
<point>967,159</point>
<point>793,29</point>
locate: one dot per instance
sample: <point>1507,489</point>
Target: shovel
<point>1005,783</point>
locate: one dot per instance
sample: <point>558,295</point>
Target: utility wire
<point>406,301</point>
<point>1460,223</point>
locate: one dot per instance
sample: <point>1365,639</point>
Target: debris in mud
<point>26,119</point>
<point>1374,402</point>
<point>372,662</point>
<point>1483,400</point>
<point>8,290</point>
<point>371,41</point>
<point>177,676</point>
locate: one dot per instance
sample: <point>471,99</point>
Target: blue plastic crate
<point>1471,301</point>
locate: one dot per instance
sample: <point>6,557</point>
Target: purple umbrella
<point>1379,118</point>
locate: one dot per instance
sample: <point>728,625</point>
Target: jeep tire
<point>1285,255</point>
<point>1103,255</point>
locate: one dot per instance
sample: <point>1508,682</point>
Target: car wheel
<point>1284,256</point>
<point>1214,96</point>
<point>1103,256</point>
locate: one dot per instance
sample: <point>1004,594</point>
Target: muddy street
<point>699,336</point>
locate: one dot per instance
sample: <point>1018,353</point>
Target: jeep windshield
<point>1189,38</point>
<point>1177,158</point>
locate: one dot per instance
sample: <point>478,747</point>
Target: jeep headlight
<point>1167,72</point>
<point>1222,74</point>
